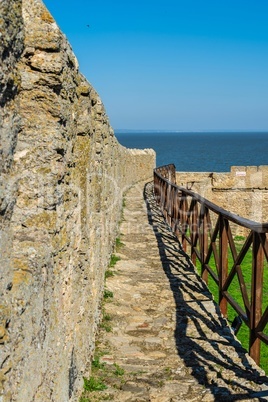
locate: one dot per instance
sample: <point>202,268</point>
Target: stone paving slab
<point>162,337</point>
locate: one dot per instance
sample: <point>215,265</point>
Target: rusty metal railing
<point>208,231</point>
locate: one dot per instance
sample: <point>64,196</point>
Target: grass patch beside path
<point>234,290</point>
<point>113,260</point>
<point>103,375</point>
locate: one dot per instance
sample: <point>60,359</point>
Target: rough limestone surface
<point>162,337</point>
<point>63,175</point>
<point>243,191</point>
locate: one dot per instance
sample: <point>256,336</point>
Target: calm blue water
<point>201,152</point>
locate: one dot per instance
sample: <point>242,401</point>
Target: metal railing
<point>208,230</point>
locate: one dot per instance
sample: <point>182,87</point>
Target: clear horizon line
<point>193,131</point>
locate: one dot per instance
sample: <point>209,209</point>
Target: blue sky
<point>173,64</point>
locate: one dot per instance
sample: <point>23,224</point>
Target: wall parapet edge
<point>62,181</point>
<point>243,190</point>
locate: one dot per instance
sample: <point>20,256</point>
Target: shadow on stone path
<point>203,338</point>
<point>162,337</point>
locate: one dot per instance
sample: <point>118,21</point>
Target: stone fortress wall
<point>243,190</point>
<point>63,175</point>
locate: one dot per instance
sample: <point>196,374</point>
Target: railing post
<point>156,187</point>
<point>166,200</point>
<point>163,195</point>
<point>173,208</point>
<point>193,230</point>
<point>173,174</point>
<point>256,296</point>
<point>204,241</point>
<point>223,264</point>
<point>177,214</point>
<point>184,221</point>
<point>169,203</point>
<point>170,174</point>
<point>173,201</point>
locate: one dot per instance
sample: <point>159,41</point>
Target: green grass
<point>118,243</point>
<point>97,364</point>
<point>106,327</point>
<point>113,260</point>
<point>99,369</point>
<point>102,376</point>
<point>106,317</point>
<point>235,292</point>
<point>83,399</point>
<point>105,323</point>
<point>93,384</point>
<point>118,370</point>
<point>108,273</point>
<point>108,294</point>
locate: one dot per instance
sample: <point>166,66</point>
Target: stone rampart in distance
<point>63,175</point>
<point>243,190</point>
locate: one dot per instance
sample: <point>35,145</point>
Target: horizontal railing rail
<point>210,232</point>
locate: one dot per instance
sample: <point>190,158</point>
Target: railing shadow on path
<point>207,359</point>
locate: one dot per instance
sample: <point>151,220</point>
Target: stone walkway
<point>162,338</point>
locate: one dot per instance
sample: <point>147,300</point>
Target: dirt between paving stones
<point>162,338</point>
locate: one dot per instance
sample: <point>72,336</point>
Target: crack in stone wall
<point>63,175</point>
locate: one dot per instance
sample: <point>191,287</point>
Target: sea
<point>200,151</point>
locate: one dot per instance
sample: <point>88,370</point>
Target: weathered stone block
<point>63,175</point>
